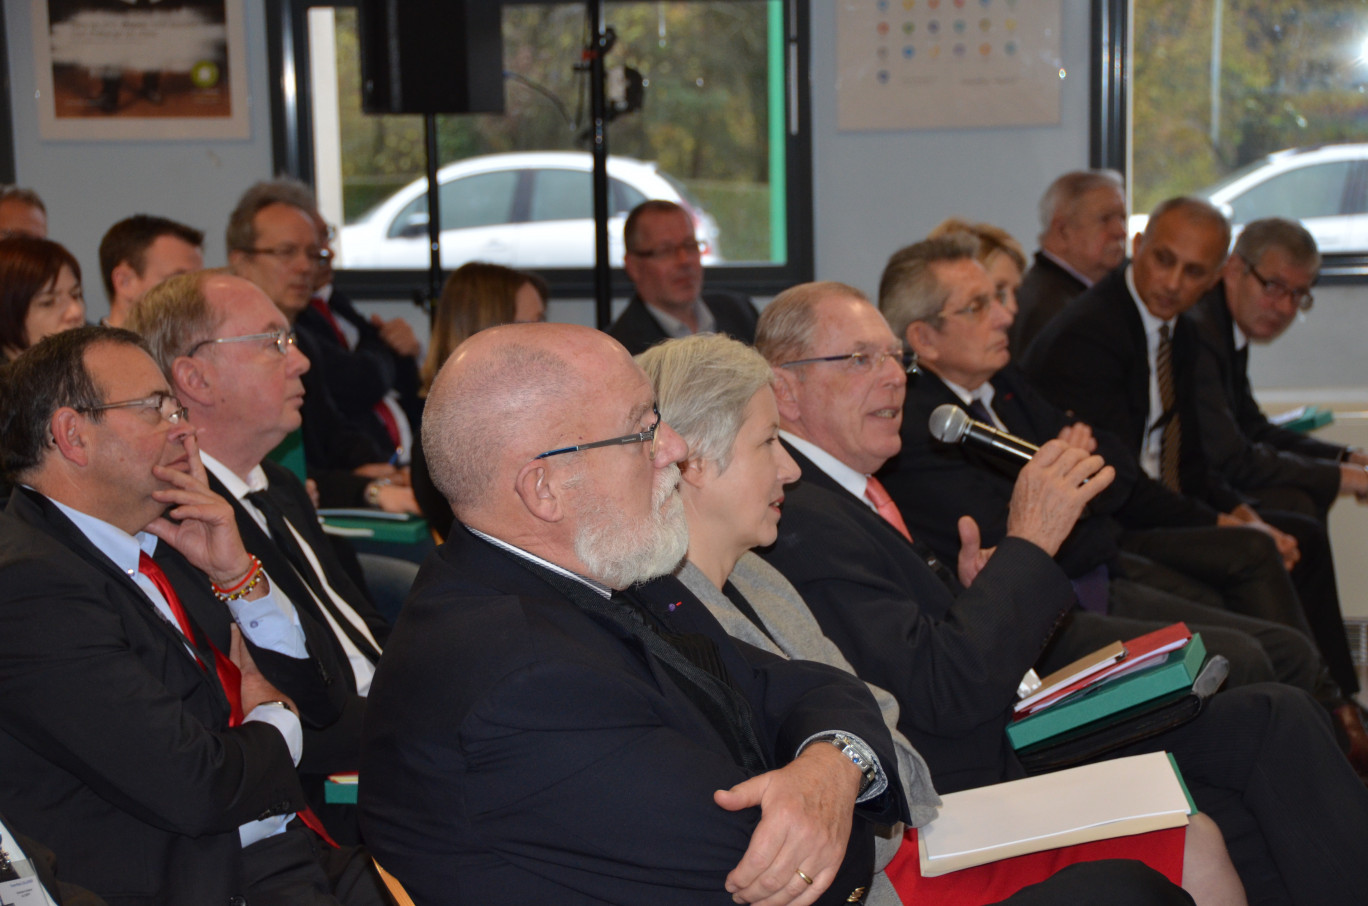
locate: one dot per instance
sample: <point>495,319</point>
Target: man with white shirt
<point>1082,237</point>
<point>139,737</point>
<point>231,357</point>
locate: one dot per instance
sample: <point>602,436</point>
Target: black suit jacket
<point>1045,289</point>
<point>521,749</point>
<point>638,330</point>
<point>1251,453</point>
<point>337,746</point>
<point>360,378</point>
<point>115,744</point>
<point>952,657</point>
<point>1092,361</point>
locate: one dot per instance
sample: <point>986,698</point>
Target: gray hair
<point>1062,197</point>
<point>174,316</point>
<point>1193,208</point>
<point>476,413</point>
<point>241,234</point>
<point>703,384</point>
<point>910,290</point>
<point>784,331</point>
<point>1261,235</point>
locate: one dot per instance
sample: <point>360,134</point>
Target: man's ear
<point>539,492</point>
<point>921,337</point>
<point>786,391</point>
<point>68,436</point>
<point>123,277</point>
<point>192,380</point>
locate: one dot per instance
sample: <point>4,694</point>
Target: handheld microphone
<point>952,425</point>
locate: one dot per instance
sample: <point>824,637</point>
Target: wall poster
<point>140,69</point>
<point>945,64</point>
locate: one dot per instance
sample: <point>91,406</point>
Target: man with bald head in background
<point>1082,237</point>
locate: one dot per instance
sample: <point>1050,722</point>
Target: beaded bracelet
<point>243,585</point>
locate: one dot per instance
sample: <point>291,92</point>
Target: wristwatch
<point>859,755</point>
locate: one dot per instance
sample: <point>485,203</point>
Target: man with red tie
<point>143,651</point>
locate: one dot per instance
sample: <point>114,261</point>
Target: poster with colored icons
<point>947,64</point>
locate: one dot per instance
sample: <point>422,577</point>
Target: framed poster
<point>946,64</point>
<point>140,70</point>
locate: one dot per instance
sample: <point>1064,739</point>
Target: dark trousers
<point>296,868</point>
<point>1262,762</point>
<point>1111,882</point>
<point>1244,570</point>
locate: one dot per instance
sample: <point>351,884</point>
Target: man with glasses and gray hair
<point>231,357</point>
<point>664,260</point>
<point>1265,284</point>
<point>155,683</point>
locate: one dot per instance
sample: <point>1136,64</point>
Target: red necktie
<point>229,676</point>
<point>878,496</point>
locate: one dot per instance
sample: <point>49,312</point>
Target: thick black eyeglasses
<point>283,340</point>
<point>164,404</point>
<point>643,437</point>
<point>863,362</point>
<point>1277,290</point>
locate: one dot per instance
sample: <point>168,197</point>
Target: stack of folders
<point>1099,801</point>
<point>1114,680</point>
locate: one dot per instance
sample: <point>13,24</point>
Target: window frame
<point>1111,121</point>
<point>293,155</point>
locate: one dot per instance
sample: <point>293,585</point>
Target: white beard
<point>619,555</point>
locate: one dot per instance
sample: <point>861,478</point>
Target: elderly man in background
<point>1082,237</point>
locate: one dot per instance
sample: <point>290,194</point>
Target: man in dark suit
<point>228,355</point>
<point>1266,281</point>
<point>139,737</point>
<point>939,299</point>
<point>1121,359</point>
<point>953,656</point>
<point>273,241</point>
<point>1082,238</point>
<point>532,739</point>
<point>664,261</point>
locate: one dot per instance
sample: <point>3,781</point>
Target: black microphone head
<point>949,423</point>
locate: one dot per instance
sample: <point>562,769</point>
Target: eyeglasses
<point>312,254</point>
<point>980,304</point>
<point>690,247</point>
<point>164,404</point>
<point>283,339</point>
<point>1276,290</point>
<point>644,437</point>
<point>864,362</point>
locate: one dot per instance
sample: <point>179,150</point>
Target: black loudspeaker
<point>431,56</point>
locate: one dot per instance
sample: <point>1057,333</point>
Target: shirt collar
<point>116,544</point>
<point>1067,267</point>
<point>677,328</point>
<point>1151,323</point>
<point>1241,341</point>
<point>984,393</point>
<point>839,472</point>
<point>516,551</point>
<point>256,478</point>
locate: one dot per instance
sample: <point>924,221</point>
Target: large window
<point>1258,105</point>
<point>721,131</point>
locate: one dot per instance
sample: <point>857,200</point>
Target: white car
<point>529,209</point>
<point>1325,187</point>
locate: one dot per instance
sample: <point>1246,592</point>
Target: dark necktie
<point>1170,441</point>
<point>692,661</point>
<point>230,678</point>
<point>979,410</point>
<point>285,539</point>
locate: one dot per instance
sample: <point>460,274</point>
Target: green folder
<point>1174,673</point>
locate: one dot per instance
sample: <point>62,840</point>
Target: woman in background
<point>40,292</point>
<point>476,296</point>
